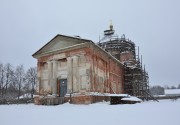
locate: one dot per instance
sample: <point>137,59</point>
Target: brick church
<point>79,70</point>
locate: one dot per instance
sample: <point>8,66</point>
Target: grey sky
<point>154,25</point>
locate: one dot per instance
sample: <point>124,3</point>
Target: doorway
<point>62,87</point>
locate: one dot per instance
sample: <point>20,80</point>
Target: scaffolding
<point>136,79</point>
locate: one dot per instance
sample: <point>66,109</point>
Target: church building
<point>83,72</point>
<point>77,67</point>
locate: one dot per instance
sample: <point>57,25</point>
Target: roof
<point>79,43</point>
<point>61,36</point>
<point>172,91</point>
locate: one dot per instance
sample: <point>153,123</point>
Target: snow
<point>27,95</point>
<point>165,112</point>
<point>172,91</point>
<point>88,93</point>
<point>159,95</point>
<point>126,97</point>
<point>132,98</point>
<point>99,94</point>
<point>118,95</point>
<point>108,94</point>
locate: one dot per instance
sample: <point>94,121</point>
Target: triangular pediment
<point>59,42</point>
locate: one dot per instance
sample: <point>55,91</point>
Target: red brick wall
<point>82,99</point>
<point>88,99</point>
<point>113,72</point>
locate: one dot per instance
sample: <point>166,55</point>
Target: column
<point>39,84</point>
<point>75,74</point>
<point>69,77</point>
<point>54,78</point>
<point>50,74</point>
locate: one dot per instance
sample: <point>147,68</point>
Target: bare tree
<point>178,87</point>
<point>166,87</point>
<point>8,77</point>
<point>19,78</point>
<point>2,80</point>
<point>31,78</point>
<point>173,87</point>
<point>157,90</point>
<point>15,82</point>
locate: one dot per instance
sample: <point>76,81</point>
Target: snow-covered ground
<point>166,112</point>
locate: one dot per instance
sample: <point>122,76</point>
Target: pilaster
<point>50,74</point>
<point>70,75</point>
<point>54,78</point>
<point>75,74</point>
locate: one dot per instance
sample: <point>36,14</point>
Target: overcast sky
<point>154,26</point>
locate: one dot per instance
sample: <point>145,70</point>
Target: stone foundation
<point>48,100</point>
<point>88,99</point>
<point>80,99</point>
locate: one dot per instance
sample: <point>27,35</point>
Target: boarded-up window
<point>62,63</point>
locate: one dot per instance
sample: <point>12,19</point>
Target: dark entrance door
<point>63,87</point>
